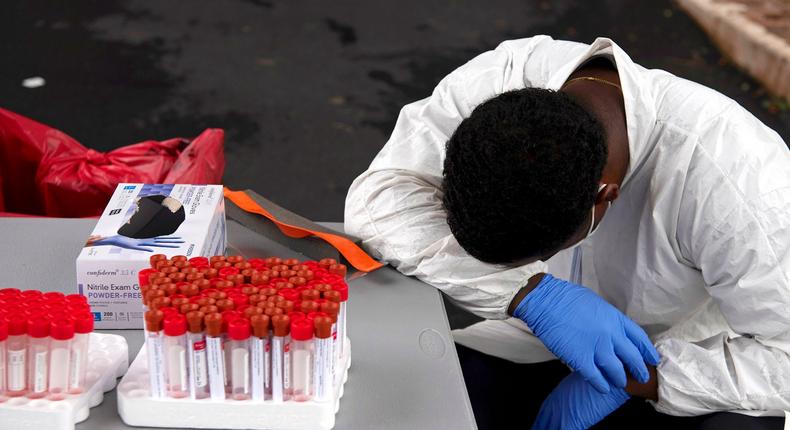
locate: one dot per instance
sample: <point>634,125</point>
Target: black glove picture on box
<point>155,216</point>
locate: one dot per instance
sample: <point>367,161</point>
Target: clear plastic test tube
<point>227,316</point>
<point>342,316</point>
<point>61,333</point>
<point>322,364</point>
<point>16,355</point>
<point>3,342</point>
<point>198,364</point>
<point>215,357</point>
<point>281,363</point>
<point>175,348</point>
<point>260,357</point>
<point>239,344</point>
<point>302,359</point>
<point>38,357</point>
<point>78,360</point>
<point>154,349</point>
<point>332,309</point>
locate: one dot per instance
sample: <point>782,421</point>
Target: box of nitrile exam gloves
<point>142,220</point>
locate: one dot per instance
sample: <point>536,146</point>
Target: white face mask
<point>592,221</point>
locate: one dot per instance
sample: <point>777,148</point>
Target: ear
<point>609,193</point>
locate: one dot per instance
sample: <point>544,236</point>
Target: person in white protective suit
<point>490,190</point>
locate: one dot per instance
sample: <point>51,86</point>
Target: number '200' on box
<point>139,221</point>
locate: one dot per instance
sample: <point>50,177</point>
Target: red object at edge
<point>45,172</point>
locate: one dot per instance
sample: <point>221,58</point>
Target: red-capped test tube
<point>175,348</point>
<point>78,360</point>
<point>322,364</point>
<point>155,351</point>
<point>281,357</point>
<point>198,363</point>
<point>38,357</point>
<point>302,359</point>
<point>260,357</point>
<point>16,349</point>
<point>216,360</point>
<point>62,333</point>
<point>239,344</point>
<point>342,317</point>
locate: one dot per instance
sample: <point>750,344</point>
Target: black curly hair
<point>521,174</point>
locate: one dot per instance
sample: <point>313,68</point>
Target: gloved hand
<point>139,244</point>
<point>575,404</point>
<point>587,333</point>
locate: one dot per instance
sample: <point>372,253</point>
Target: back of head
<point>521,174</point>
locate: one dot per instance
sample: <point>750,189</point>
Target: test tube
<point>3,342</point>
<point>308,306</point>
<point>337,269</point>
<point>196,340</point>
<point>227,317</point>
<point>260,357</point>
<point>153,343</point>
<point>281,358</point>
<point>175,348</point>
<point>322,369</point>
<point>342,316</point>
<point>310,294</point>
<point>333,309</point>
<point>62,332</point>
<point>302,359</point>
<point>38,357</point>
<point>78,361</point>
<point>216,362</point>
<point>239,344</point>
<point>16,353</point>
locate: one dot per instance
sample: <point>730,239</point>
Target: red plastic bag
<point>45,172</point>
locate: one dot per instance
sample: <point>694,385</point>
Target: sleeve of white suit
<point>736,230</point>
<point>395,207</point>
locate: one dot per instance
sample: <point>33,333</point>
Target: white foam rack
<point>109,359</point>
<point>137,408</point>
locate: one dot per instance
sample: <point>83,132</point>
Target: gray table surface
<point>404,374</point>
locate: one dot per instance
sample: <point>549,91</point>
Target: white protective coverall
<point>696,249</point>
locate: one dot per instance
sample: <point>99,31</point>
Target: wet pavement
<point>307,91</point>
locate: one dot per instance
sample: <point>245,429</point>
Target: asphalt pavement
<point>307,91</point>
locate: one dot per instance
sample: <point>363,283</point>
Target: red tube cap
<point>76,299</point>
<point>289,294</point>
<point>8,292</point>
<point>62,329</point>
<point>342,289</point>
<point>239,329</point>
<point>296,315</point>
<point>301,329</point>
<point>38,327</point>
<point>175,324</point>
<point>83,322</point>
<point>226,271</point>
<point>198,261</point>
<point>53,295</point>
<point>3,330</point>
<point>17,324</point>
<point>30,294</point>
<point>239,299</point>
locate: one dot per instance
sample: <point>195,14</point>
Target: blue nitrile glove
<point>140,244</point>
<point>575,404</point>
<point>587,333</point>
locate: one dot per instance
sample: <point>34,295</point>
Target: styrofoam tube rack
<point>137,408</point>
<point>109,359</point>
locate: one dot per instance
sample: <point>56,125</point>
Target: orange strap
<point>354,254</point>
